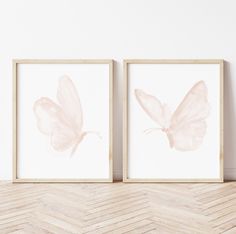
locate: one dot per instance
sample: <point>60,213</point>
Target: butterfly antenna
<point>150,130</point>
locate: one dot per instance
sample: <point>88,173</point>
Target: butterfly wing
<point>153,108</point>
<point>68,98</point>
<point>188,123</point>
<point>52,121</point>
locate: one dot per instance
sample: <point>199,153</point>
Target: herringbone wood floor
<point>117,208</point>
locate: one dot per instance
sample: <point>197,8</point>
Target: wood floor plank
<point>118,208</point>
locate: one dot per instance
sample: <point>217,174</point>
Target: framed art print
<point>62,120</point>
<point>173,121</point>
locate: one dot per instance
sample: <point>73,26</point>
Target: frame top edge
<point>173,61</point>
<point>62,61</point>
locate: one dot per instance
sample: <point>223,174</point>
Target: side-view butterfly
<point>186,127</point>
<point>63,122</point>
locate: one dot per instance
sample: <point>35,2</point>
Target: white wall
<point>61,29</point>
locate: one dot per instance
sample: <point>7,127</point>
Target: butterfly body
<point>186,127</point>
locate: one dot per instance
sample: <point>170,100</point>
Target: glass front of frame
<point>63,121</point>
<point>174,130</point>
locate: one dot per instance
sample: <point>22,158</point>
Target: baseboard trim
<point>229,174</point>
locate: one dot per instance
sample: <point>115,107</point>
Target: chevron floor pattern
<point>117,208</point>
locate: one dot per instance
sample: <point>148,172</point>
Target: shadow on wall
<point>229,123</point>
<point>117,121</point>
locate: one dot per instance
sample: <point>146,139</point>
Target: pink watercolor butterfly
<point>63,122</point>
<point>186,128</point>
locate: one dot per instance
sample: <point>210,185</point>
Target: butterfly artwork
<point>62,122</point>
<point>186,127</point>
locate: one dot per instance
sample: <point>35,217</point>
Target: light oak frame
<point>125,116</point>
<point>62,61</point>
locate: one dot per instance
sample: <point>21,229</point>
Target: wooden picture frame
<point>108,66</point>
<point>126,106</point>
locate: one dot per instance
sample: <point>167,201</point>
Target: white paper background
<point>36,157</point>
<point>149,156</point>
